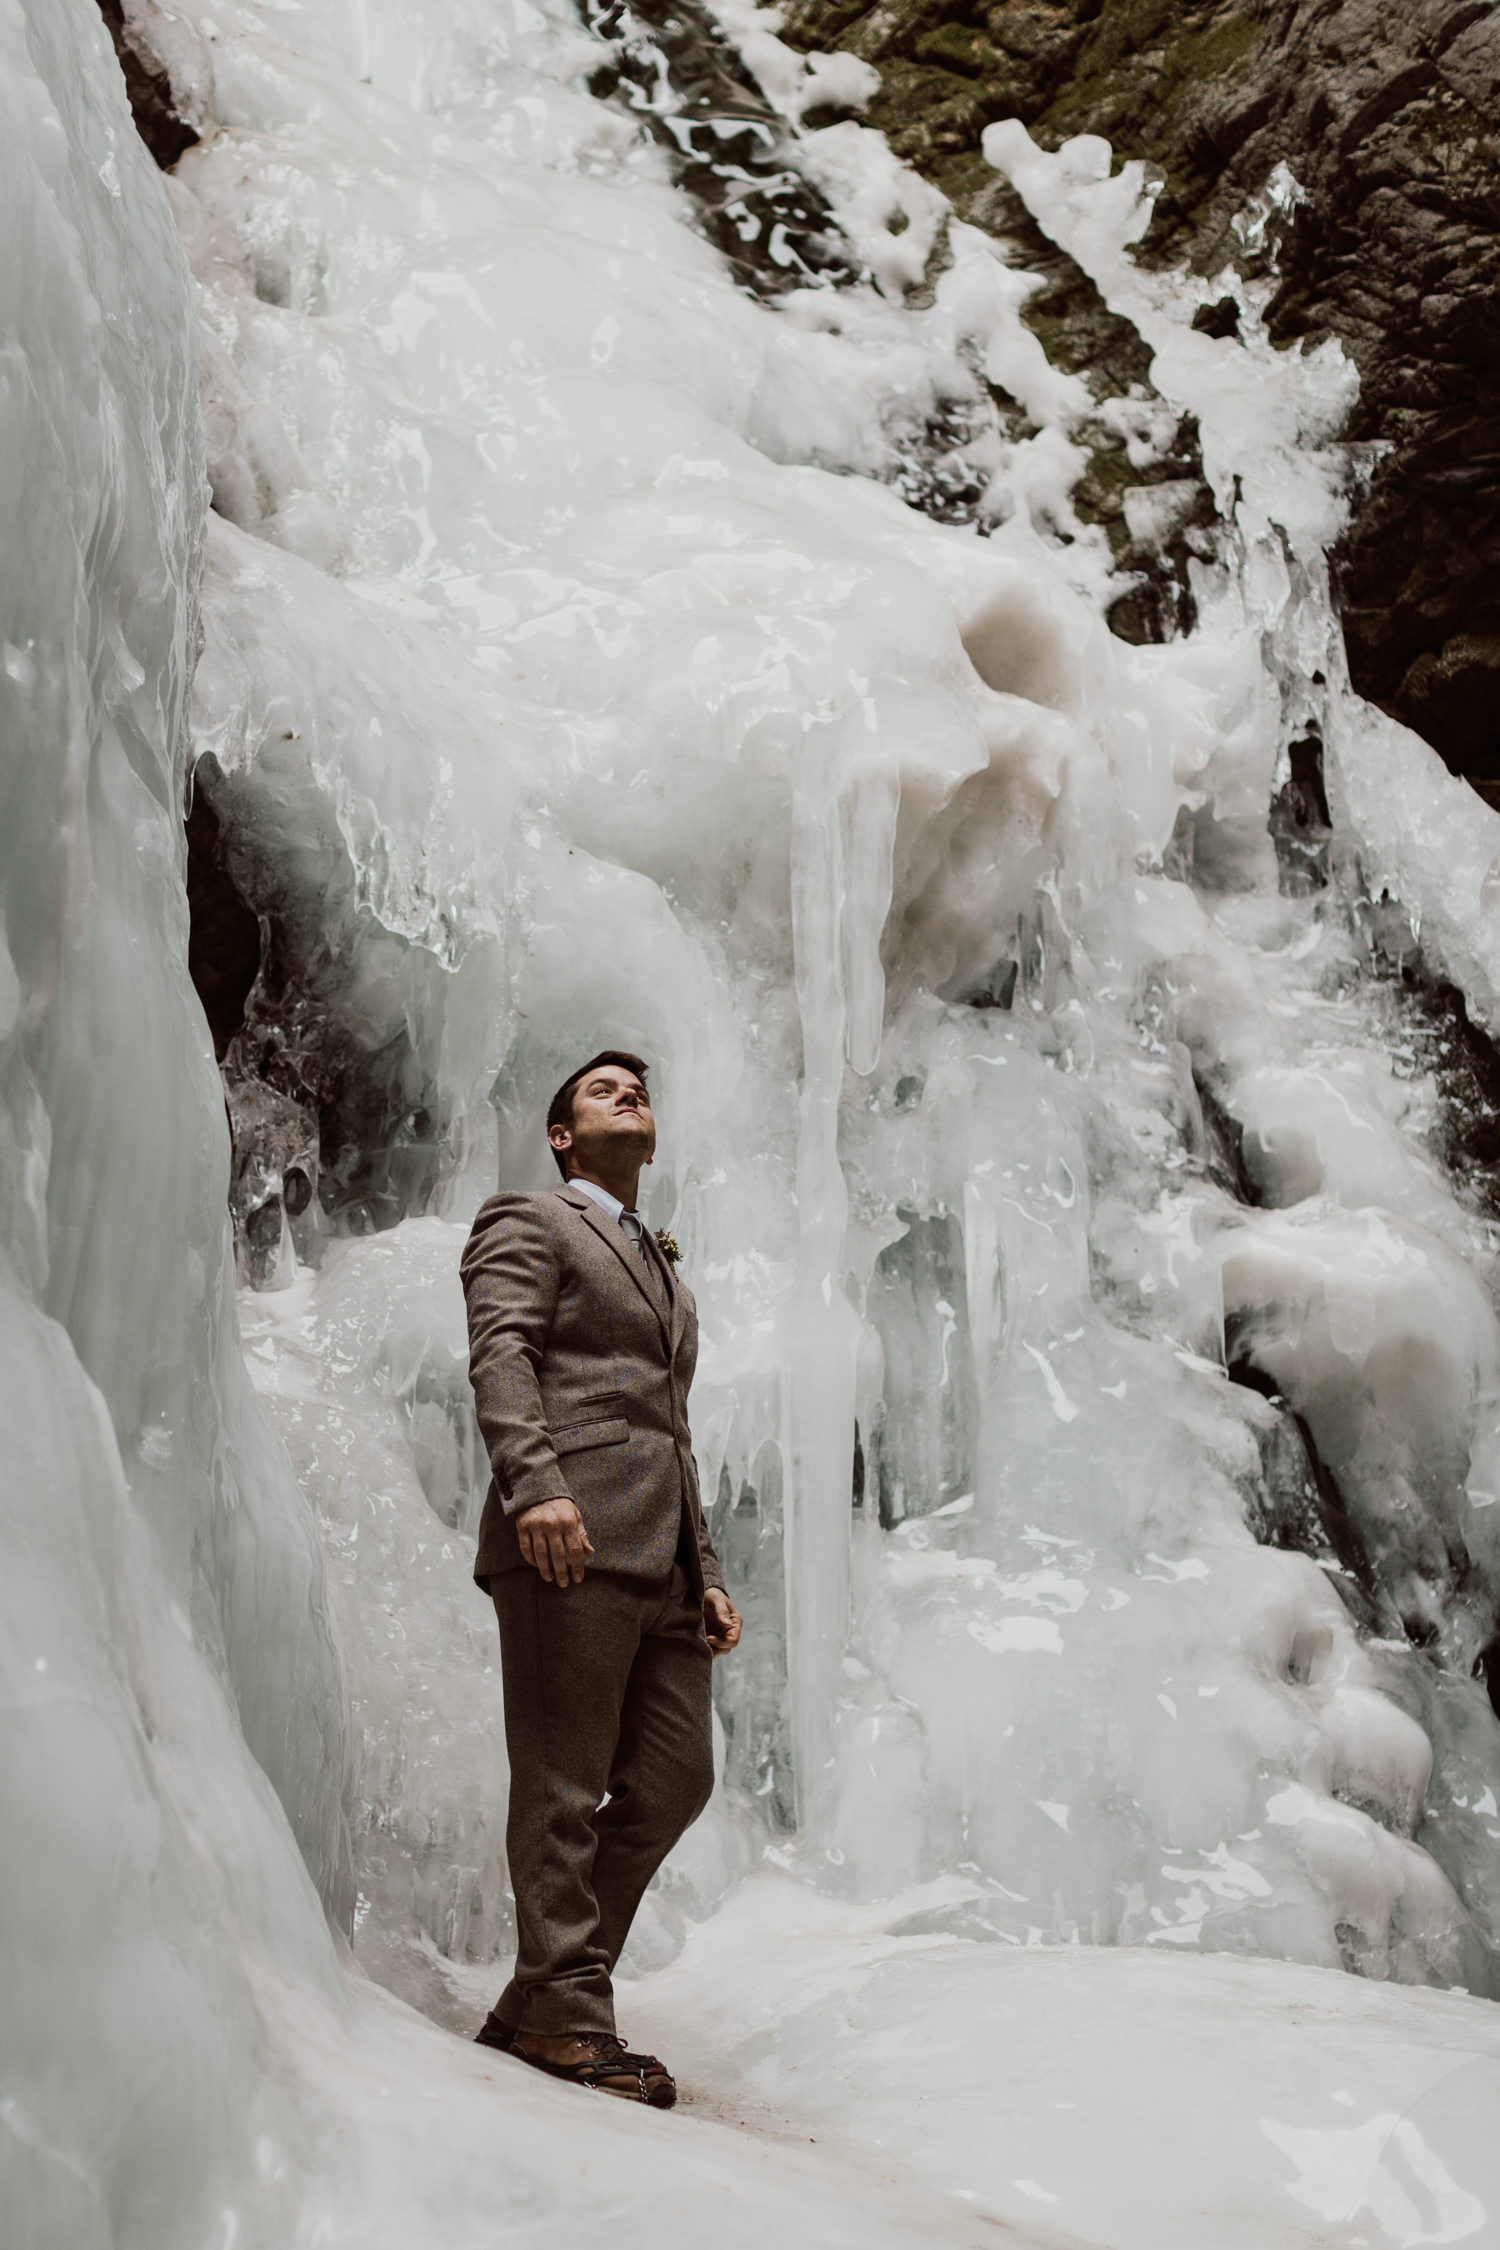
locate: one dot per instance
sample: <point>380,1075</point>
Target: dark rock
<point>1437,1039</point>
<point>273,1175</point>
<point>1224,1149</point>
<point>157,121</point>
<point>1296,1504</point>
<point>1300,826</point>
<point>1487,1668</point>
<point>674,67</point>
<point>1388,114</point>
<point>1453,698</point>
<point>299,1054</point>
<point>224,940</point>
<point>1221,319</point>
<point>1082,336</point>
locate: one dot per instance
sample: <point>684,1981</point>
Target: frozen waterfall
<point>644,600</point>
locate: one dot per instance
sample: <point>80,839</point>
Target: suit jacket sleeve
<point>512,1278</point>
<point>713,1569</point>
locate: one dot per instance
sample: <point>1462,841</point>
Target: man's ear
<point>559,1137</point>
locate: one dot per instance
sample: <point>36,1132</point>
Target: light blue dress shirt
<point>609,1204</point>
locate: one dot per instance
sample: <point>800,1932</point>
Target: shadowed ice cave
<point>530,528</point>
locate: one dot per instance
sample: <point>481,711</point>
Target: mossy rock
<point>1390,122</point>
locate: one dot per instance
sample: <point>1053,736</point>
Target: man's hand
<point>553,1538</point>
<point>721,1621</point>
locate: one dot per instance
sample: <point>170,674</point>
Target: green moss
<point>956,47</point>
<point>1124,29</point>
<point>1099,495</point>
<point>1139,107</point>
<point>931,117</point>
<point>1132,73</point>
<point>1132,70</point>
<point>969,181</point>
<point>1219,48</point>
<point>1092,105</point>
<point>824,23</point>
<point>1146,90</point>
<point>880,33</point>
<point>1055,332</point>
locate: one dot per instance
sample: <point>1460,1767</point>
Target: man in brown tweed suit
<point>593,1547</point>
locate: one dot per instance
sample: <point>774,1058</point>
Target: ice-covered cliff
<point>592,639</point>
<point>1385,116</point>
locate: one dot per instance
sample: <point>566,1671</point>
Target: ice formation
<point>579,661</point>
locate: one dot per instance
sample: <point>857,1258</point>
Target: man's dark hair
<point>560,1108</point>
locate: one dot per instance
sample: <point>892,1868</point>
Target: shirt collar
<point>609,1204</point>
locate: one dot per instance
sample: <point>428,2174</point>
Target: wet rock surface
<point>152,104</point>
<point>671,64</point>
<point>335,1123</point>
<point>273,1179</point>
<point>1388,114</point>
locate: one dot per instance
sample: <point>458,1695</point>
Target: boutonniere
<point>669,1247</point>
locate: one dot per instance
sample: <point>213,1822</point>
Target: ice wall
<point>166,1652</point>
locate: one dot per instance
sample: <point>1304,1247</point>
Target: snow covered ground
<point>1120,2098</point>
<point>851,2078</point>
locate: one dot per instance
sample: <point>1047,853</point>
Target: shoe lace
<point>610,2047</point>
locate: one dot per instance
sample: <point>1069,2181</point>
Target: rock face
<point>1388,114</point>
<point>164,132</point>
<point>724,141</point>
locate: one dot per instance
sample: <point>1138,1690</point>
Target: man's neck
<point>623,1186</point>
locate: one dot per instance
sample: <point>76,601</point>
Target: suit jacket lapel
<point>611,1232</point>
<point>666,1269</point>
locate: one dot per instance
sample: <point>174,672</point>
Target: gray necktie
<point>631,1222</point>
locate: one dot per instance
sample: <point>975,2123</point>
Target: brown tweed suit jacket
<point>580,1383</point>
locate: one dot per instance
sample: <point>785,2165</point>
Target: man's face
<point>611,1116</point>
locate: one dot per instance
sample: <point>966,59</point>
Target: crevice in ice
<point>1487,1668</point>
<point>337,1123</point>
<point>1296,1503</point>
<point>165,131</point>
<point>1301,828</point>
<point>1224,1146</point>
<point>224,931</point>
<point>1434,1037</point>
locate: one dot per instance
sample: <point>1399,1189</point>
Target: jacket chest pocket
<point>598,1423</point>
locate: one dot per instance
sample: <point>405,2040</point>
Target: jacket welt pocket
<point>579,1435</point>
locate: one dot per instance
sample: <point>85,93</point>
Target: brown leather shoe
<point>493,2033</point>
<point>599,2060</point>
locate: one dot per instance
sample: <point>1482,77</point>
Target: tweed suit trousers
<point>609,1730</point>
